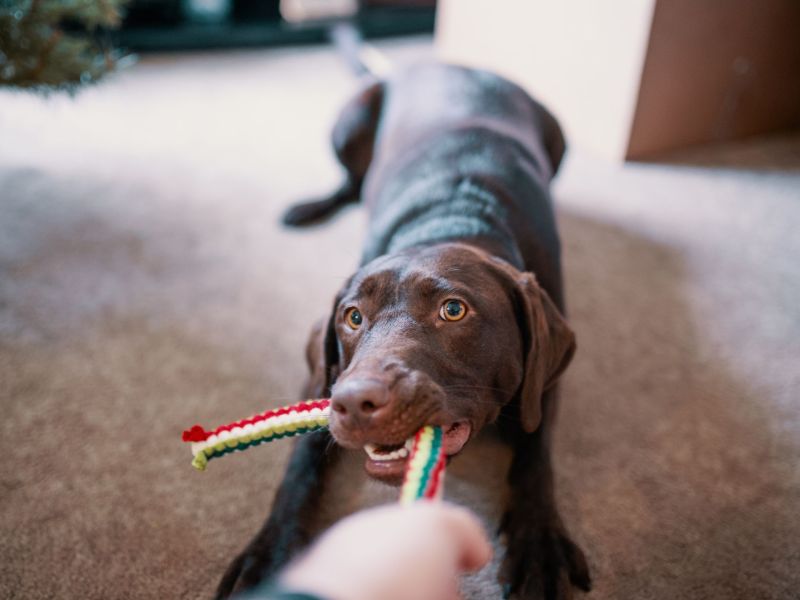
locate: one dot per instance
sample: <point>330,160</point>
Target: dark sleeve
<point>273,591</point>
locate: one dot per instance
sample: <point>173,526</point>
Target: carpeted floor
<point>145,285</point>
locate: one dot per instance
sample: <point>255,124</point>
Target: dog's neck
<point>442,212</point>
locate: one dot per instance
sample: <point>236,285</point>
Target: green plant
<point>56,43</point>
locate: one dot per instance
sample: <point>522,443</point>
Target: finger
<point>453,591</point>
<point>473,547</point>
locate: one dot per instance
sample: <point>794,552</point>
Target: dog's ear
<point>322,356</point>
<point>548,347</point>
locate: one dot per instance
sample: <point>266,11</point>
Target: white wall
<point>582,58</point>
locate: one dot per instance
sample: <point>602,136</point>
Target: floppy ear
<point>322,356</point>
<point>549,345</point>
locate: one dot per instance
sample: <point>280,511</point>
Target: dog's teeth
<point>373,452</point>
<point>409,445</point>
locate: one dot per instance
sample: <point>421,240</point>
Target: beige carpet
<point>145,285</point>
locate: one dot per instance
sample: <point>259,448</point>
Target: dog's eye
<point>452,310</point>
<point>353,318</point>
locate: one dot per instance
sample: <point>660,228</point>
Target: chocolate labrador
<point>456,316</point>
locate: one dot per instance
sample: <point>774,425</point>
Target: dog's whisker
<point>329,445</point>
<point>467,386</point>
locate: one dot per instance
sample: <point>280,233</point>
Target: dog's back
<point>427,100</point>
<point>464,154</point>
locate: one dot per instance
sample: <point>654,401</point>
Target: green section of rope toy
<point>200,461</point>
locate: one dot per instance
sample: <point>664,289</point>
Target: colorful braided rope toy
<point>424,470</point>
<point>287,421</point>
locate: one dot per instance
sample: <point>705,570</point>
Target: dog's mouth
<point>388,462</point>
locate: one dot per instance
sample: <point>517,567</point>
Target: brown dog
<point>445,322</point>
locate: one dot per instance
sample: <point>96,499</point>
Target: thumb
<point>473,548</point>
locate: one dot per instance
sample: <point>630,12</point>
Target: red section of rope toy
<point>197,434</point>
<point>435,478</point>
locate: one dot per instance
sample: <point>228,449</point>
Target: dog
<point>455,317</point>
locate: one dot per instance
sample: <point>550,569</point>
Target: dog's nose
<point>359,399</point>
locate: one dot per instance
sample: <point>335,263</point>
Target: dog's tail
<point>316,211</point>
<point>362,57</point>
<point>354,132</point>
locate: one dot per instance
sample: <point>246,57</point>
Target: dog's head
<point>445,335</point>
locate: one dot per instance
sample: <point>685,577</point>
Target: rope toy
<point>286,421</point>
<point>425,468</point>
<point>424,476</point>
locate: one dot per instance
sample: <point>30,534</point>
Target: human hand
<point>393,553</point>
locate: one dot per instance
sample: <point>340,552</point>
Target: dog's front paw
<point>542,563</point>
<point>245,572</point>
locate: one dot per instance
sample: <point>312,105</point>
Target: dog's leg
<point>541,560</point>
<point>286,531</point>
<point>353,138</point>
